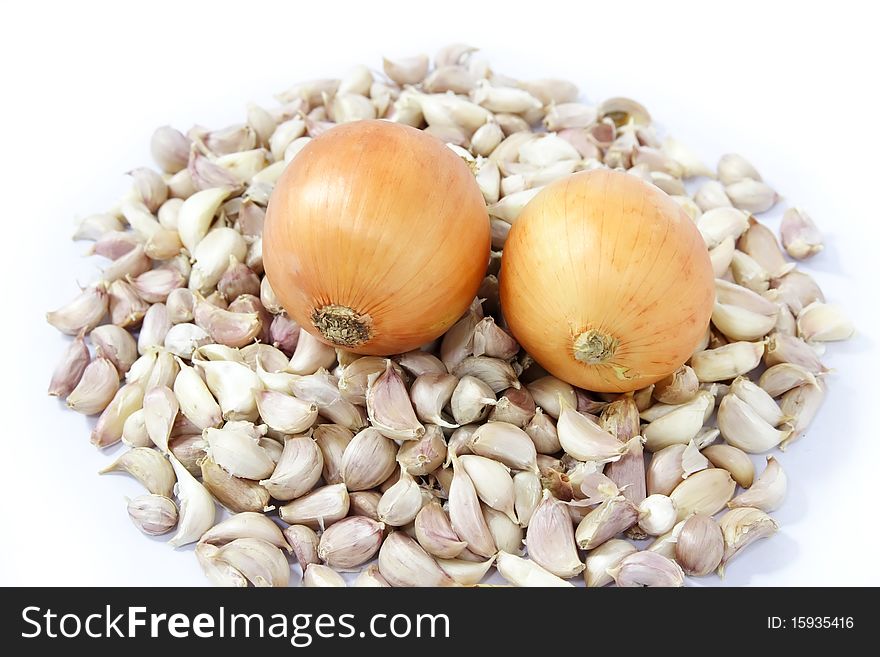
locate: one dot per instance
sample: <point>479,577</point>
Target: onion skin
<point>606,282</point>
<point>376,238</point>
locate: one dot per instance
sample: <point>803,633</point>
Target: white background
<point>792,88</point>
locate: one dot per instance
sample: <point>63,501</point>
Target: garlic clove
<point>611,517</point>
<point>82,314</point>
<point>665,470</point>
<point>550,538</point>
<point>423,456</point>
<point>350,542</point>
<point>370,577</point>
<point>681,424</point>
<point>234,385</point>
<point>547,392</point>
<point>409,70</point>
<point>584,439</point>
<point>820,322</point>
<point>304,543</point>
<point>727,362</point>
<point>700,545</point>
<point>506,533</point>
<point>401,503</point>
<point>647,568</point>
<point>195,399</point>
<point>317,509</point>
<point>434,532</point>
<point>429,394</point>
<point>678,388</point>
<point>332,440</point>
<point>419,362</point>
<point>751,195</point>
<point>748,272</point>
<point>259,561</point>
<point>471,400</point>
<point>657,514</point>
<point>801,404</point>
<point>297,471</point>
<point>95,389</point>
<point>153,514</point>
<point>285,413</point>
<point>719,223</point>
<point>389,406</point>
<point>760,401</point>
<point>196,507</point>
<point>245,525</point>
<point>492,481</point>
<point>496,373</point>
<point>236,494</point>
<point>320,575</point>
<point>525,572</point>
<point>238,453</point>
<point>505,443</point>
<point>527,495</point>
<point>465,513</point>
<point>743,427</point>
<point>108,430</point>
<point>147,466</point>
<point>197,213</point>
<point>604,558</point>
<point>783,348</point>
<point>760,243</point>
<point>742,527</point>
<point>768,491</point>
<point>402,562</point>
<point>368,460</point>
<point>160,407</point>
<point>542,430</point>
<point>706,492</point>
<point>800,236</point>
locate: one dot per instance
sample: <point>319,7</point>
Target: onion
<point>376,238</point>
<point>606,282</point>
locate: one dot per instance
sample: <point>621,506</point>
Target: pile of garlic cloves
<point>433,467</point>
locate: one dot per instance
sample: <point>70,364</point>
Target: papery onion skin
<point>376,237</point>
<point>606,282</point>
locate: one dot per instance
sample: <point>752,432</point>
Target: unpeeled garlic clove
<point>419,362</point>
<point>389,406</point>
<point>550,538</point>
<point>354,377</point>
<point>317,509</point>
<point>430,393</point>
<point>238,453</point>
<point>320,575</point>
<point>234,385</point>
<point>297,471</point>
<point>525,572</point>
<point>647,568</point>
<point>370,577</point>
<point>496,373</point>
<point>180,304</point>
<point>197,213</point>
<point>665,544</point>
<point>801,404</point>
<point>95,226</point>
<point>154,328</point>
<point>402,562</point>
<point>285,413</point>
<point>471,400</point>
<point>323,389</point>
<point>82,314</point>
<point>797,290</point>
<point>169,148</point>
<point>547,392</point>
<point>196,507</point>
<point>751,195</point>
<point>401,503</point>
<point>584,439</point>
<point>160,407</point>
<point>108,430</point>
<point>782,377</point>
<point>350,542</point>
<point>748,272</point>
<point>95,389</point>
<point>604,558</point>
<point>742,426</point>
<point>434,532</point>
<point>304,543</point>
<point>679,387</point>
<point>182,340</point>
<point>820,322</point>
<point>721,256</point>
<point>465,513</point>
<point>527,495</point>
<point>147,466</point>
<point>262,563</point>
<point>699,546</point>
<point>195,399</point>
<point>758,398</point>
<point>783,348</point>
<point>657,514</point>
<point>153,514</point>
<point>406,71</point>
<point>706,492</point>
<point>134,431</point>
<point>665,470</point>
<point>611,517</point>
<point>245,525</point>
<point>218,572</point>
<point>681,425</point>
<point>486,139</point>
<point>760,243</point>
<point>492,481</point>
<point>717,224</point>
<point>767,492</point>
<point>457,343</point>
<point>236,494</point>
<point>733,167</point>
<point>368,460</point>
<point>728,361</point>
<point>800,236</point>
<point>132,263</point>
<point>542,430</point>
<point>505,443</point>
<point>332,440</point>
<point>742,527</point>
<point>711,195</point>
<point>423,456</point>
<point>126,307</point>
